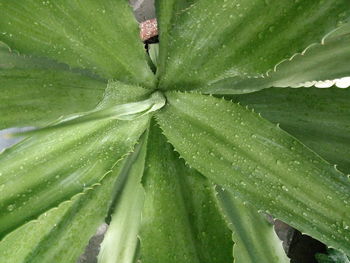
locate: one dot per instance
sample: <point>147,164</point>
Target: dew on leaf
<point>285,188</point>
<point>10,208</point>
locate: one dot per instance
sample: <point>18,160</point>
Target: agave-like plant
<point>179,162</point>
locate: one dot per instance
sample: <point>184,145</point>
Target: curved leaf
<point>260,163</point>
<point>322,61</point>
<point>128,111</point>
<point>180,220</point>
<point>101,36</point>
<point>254,237</point>
<point>319,118</point>
<point>214,39</point>
<point>121,240</point>
<point>167,16</point>
<point>36,91</point>
<point>326,61</point>
<point>42,171</point>
<point>61,234</point>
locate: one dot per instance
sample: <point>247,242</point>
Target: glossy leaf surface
<point>254,237</point>
<point>319,118</point>
<point>42,171</point>
<point>121,240</point>
<point>35,91</point>
<point>180,220</point>
<point>260,163</point>
<point>214,39</point>
<point>101,36</point>
<point>168,13</point>
<point>61,234</point>
<point>327,60</point>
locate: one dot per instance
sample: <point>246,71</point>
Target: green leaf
<point>254,237</point>
<point>61,234</point>
<point>37,91</point>
<point>43,171</point>
<point>128,111</point>
<point>167,17</point>
<point>101,36</point>
<point>261,164</point>
<point>180,220</point>
<point>214,39</point>
<point>322,61</point>
<point>333,256</point>
<point>326,61</point>
<point>153,50</point>
<point>121,241</point>
<point>319,118</point>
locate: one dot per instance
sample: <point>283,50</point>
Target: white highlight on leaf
<point>340,83</point>
<point>127,111</point>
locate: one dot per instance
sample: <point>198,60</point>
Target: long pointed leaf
<point>254,237</point>
<point>321,61</point>
<point>215,39</point>
<point>260,163</point>
<point>36,91</point>
<point>42,171</point>
<point>326,61</point>
<point>319,118</point>
<point>167,17</point>
<point>101,36</point>
<point>121,240</point>
<point>180,220</point>
<point>61,234</point>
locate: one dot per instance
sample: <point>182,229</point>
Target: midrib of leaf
<point>273,169</point>
<point>127,112</point>
<point>181,222</point>
<point>319,118</point>
<point>321,211</point>
<point>279,175</point>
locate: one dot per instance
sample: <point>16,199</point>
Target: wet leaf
<point>60,234</point>
<point>237,149</point>
<point>100,36</point>
<point>180,220</point>
<point>214,39</point>
<point>319,118</point>
<point>254,237</point>
<point>36,91</point>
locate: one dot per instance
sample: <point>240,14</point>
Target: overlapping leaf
<point>254,237</point>
<point>48,168</point>
<point>36,91</point>
<point>101,36</point>
<point>61,234</point>
<point>121,242</point>
<point>327,60</point>
<point>261,164</point>
<point>180,220</point>
<point>44,170</point>
<point>214,39</point>
<point>167,15</point>
<point>319,118</point>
